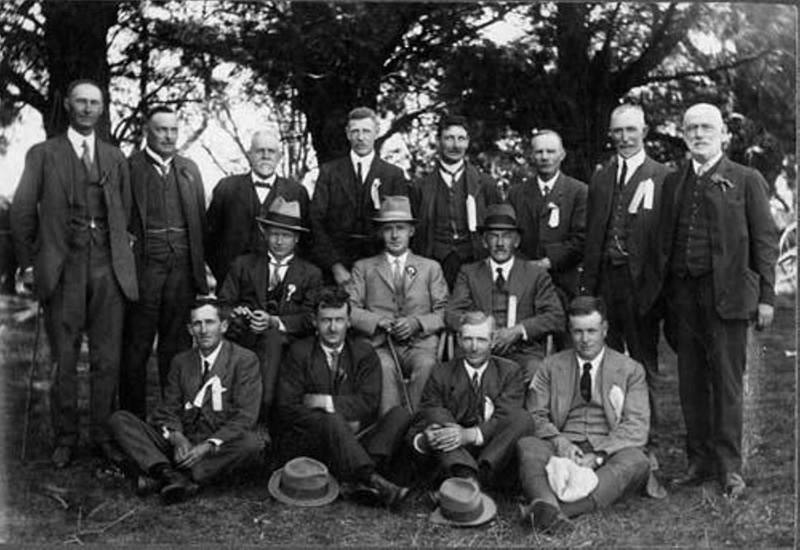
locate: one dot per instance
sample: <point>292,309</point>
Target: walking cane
<point>399,373</point>
<point>29,397</point>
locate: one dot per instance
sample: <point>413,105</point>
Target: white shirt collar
<point>701,169</point>
<point>633,162</point>
<point>472,370</point>
<point>328,351</point>
<point>283,263</point>
<point>548,184</point>
<point>77,140</point>
<point>506,267</point>
<point>158,159</point>
<point>212,357</point>
<point>366,162</point>
<point>402,257</point>
<point>453,168</point>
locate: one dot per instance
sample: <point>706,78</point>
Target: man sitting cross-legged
<point>202,430</point>
<point>471,411</point>
<point>329,390</point>
<point>590,405</point>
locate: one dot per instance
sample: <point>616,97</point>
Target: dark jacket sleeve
<point>169,413</point>
<point>215,221</point>
<point>24,208</point>
<point>460,301</point>
<point>763,236</point>
<point>325,252</point>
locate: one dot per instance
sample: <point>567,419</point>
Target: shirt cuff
<point>281,326</point>
<point>524,333</point>
<point>478,437</point>
<point>215,441</point>
<point>417,443</point>
<point>329,404</point>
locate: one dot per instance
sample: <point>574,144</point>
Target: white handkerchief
<point>374,194</point>
<point>215,385</point>
<point>643,197</point>
<point>512,311</point>
<point>488,409</point>
<point>555,215</point>
<point>569,481</point>
<point>617,398</point>
<point>472,214</point>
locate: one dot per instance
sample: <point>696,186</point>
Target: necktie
<point>586,382</point>
<point>359,173</point>
<point>397,276</point>
<point>500,281</point>
<point>623,174</point>
<point>86,157</point>
<point>206,368</point>
<point>545,191</point>
<point>476,382</point>
<point>334,360</point>
<point>275,275</point>
<point>452,175</point>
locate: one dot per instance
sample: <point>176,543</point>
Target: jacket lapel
<point>260,278</point>
<point>483,284</point>
<point>564,389</point>
<point>384,269</point>
<point>67,153</point>
<point>516,278</point>
<point>246,195</point>
<point>348,180</point>
<point>412,266</point>
<point>139,185</point>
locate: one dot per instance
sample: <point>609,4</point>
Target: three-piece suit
<point>70,223</point>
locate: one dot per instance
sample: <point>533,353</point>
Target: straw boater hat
<point>284,214</point>
<point>303,481</point>
<point>462,504</point>
<point>500,216</point>
<point>395,209</point>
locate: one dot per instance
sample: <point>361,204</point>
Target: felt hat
<point>303,481</point>
<point>284,214</point>
<point>395,209</point>
<point>462,504</point>
<point>500,216</point>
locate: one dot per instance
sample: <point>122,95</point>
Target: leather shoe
<point>178,487</point>
<point>391,495</point>
<point>147,485</point>
<point>62,456</point>
<point>733,486</point>
<point>549,519</point>
<point>695,475</point>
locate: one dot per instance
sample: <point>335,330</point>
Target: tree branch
<point>706,72</point>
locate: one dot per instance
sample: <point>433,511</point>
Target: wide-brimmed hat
<point>500,216</point>
<point>284,214</point>
<point>303,481</point>
<point>395,209</point>
<point>462,504</point>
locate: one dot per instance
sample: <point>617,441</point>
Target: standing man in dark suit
<point>552,213</point>
<point>450,203</point>
<point>272,294</point>
<point>237,201</point>
<point>204,426</point>
<point>168,223</point>
<point>624,198</point>
<point>347,196</point>
<point>471,411</point>
<point>719,247</point>
<point>519,295</point>
<point>329,390</point>
<point>69,221</point>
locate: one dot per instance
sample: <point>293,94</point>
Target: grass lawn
<point>87,504</point>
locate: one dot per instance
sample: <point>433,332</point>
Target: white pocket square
<point>617,399</point>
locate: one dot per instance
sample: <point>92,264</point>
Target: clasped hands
<point>449,437</point>
<point>186,455</point>
<point>403,328</point>
<point>260,321</point>
<point>576,455</point>
<point>505,338</point>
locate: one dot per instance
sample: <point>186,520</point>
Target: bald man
<point>718,248</point>
<point>621,222</point>
<point>238,200</point>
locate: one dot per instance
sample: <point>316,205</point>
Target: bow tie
<point>262,183</point>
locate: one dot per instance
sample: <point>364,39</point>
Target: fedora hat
<point>395,209</point>
<point>462,504</point>
<point>303,481</point>
<point>284,214</point>
<point>500,216</point>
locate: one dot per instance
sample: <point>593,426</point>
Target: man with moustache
<point>624,198</point>
<point>518,294</point>
<point>168,224</point>
<point>348,194</point>
<point>552,213</point>
<point>237,201</point>
<point>450,202</point>
<point>718,252</point>
<point>69,222</point>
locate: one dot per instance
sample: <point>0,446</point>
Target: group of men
<point>332,313</point>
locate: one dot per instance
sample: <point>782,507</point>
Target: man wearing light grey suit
<point>590,406</point>
<point>400,296</point>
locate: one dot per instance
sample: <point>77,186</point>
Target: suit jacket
<point>239,373</point>
<point>563,244</point>
<point>334,212</point>
<point>40,213</point>
<point>232,226</point>
<point>743,235</point>
<point>193,201</point>
<point>553,387</point>
<point>246,285</point>
<point>538,306</point>
<point>642,228</point>
<point>357,394</point>
<point>423,205</point>
<point>372,297</point>
<point>449,387</point>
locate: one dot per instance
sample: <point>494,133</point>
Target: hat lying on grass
<point>303,481</point>
<point>462,504</point>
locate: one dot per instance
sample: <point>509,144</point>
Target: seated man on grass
<point>203,428</point>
